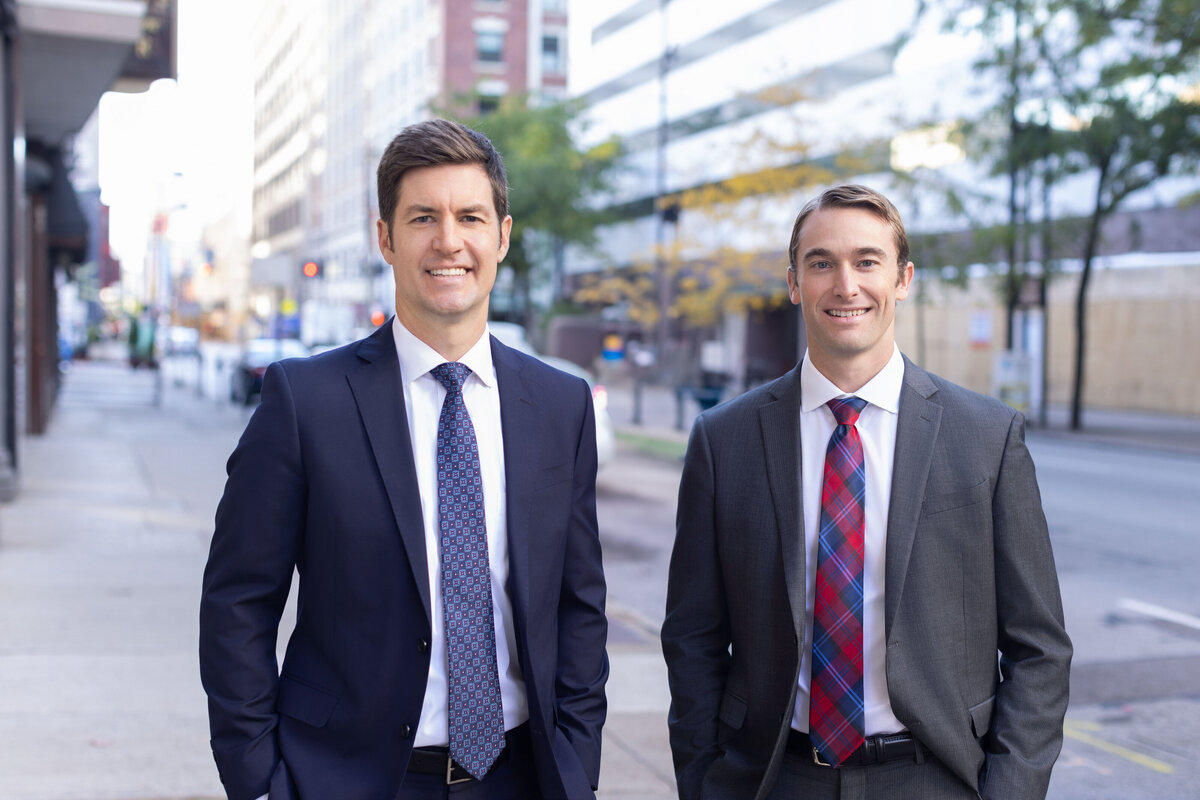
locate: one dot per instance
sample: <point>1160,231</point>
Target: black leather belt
<point>437,760</point>
<point>873,750</point>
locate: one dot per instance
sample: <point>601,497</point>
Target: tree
<point>1110,85</point>
<point>554,184</point>
<point>716,262</point>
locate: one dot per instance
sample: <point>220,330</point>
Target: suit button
<point>423,646</point>
<point>405,731</point>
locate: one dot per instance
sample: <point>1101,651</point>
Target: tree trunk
<point>1013,280</point>
<point>1089,255</point>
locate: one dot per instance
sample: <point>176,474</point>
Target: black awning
<point>66,226</point>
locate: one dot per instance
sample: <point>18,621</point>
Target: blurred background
<point>188,174</point>
<point>190,194</point>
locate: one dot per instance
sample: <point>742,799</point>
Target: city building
<point>731,114</point>
<point>734,114</point>
<point>334,82</point>
<point>56,60</point>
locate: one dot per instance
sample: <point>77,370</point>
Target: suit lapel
<point>780,425</point>
<point>916,432</point>
<point>519,420</point>
<point>378,390</point>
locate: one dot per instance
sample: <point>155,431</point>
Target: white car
<point>513,335</point>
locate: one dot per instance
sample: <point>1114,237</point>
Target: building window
<point>554,6</point>
<point>488,103</point>
<point>489,46</point>
<point>551,55</point>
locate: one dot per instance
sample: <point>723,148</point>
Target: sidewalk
<point>665,418</point>
<point>100,563</point>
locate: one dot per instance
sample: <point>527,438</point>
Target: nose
<point>847,281</point>
<point>447,239</point>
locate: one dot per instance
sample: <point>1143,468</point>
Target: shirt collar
<point>883,390</point>
<point>418,358</point>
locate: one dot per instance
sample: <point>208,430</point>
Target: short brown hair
<point>433,143</point>
<point>852,195</point>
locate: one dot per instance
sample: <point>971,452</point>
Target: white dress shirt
<point>877,430</point>
<point>423,396</point>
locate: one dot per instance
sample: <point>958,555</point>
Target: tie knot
<point>846,410</point>
<point>451,375</point>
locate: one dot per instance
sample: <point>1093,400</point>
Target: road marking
<point>1158,612</point>
<point>1077,730</point>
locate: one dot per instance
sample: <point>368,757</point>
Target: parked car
<point>606,436</point>
<point>178,340</point>
<point>245,383</point>
<point>513,335</point>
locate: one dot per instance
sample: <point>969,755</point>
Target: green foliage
<point>553,183</point>
<point>1104,87</point>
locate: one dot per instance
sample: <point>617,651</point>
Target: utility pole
<point>660,189</point>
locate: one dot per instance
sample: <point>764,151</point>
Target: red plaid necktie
<point>474,709</point>
<point>835,715</point>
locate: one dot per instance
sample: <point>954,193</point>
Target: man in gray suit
<point>881,620</point>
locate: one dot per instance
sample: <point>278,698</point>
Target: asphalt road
<point>1125,523</point>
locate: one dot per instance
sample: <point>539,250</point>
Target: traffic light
<point>312,269</point>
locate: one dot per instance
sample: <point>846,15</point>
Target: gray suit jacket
<point>969,575</point>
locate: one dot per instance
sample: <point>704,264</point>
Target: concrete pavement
<point>100,563</point>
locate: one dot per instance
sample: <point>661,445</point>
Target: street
<point>1127,546</point>
<point>100,562</point>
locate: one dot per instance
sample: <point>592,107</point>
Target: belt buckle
<point>816,754</point>
<point>450,779</point>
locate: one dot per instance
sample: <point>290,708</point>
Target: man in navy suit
<point>337,478</point>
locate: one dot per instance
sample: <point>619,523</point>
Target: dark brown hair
<point>433,143</point>
<point>852,195</point>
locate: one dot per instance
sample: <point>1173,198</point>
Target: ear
<point>793,286</point>
<point>385,240</point>
<point>505,231</point>
<point>906,276</point>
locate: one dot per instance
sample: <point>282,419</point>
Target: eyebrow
<point>821,252</point>
<point>479,209</point>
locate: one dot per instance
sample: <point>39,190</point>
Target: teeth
<point>856,313</point>
<point>457,271</point>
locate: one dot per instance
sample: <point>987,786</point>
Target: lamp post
<point>660,190</point>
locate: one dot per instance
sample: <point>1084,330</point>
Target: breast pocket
<point>961,498</point>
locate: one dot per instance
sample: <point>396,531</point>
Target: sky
<point>186,145</point>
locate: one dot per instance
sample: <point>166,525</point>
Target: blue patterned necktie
<point>476,717</point>
<point>836,691</point>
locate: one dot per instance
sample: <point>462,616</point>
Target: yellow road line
<point>1078,731</point>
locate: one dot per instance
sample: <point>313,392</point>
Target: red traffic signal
<point>311,269</point>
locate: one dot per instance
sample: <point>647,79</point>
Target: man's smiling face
<point>444,244</point>
<point>847,282</point>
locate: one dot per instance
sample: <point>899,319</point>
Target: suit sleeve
<point>255,546</point>
<point>696,632</point>
<point>1025,735</point>
<point>582,669</point>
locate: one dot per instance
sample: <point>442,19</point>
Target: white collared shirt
<point>423,396</point>
<point>877,430</point>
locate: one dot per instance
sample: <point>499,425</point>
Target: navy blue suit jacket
<point>322,482</point>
